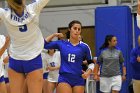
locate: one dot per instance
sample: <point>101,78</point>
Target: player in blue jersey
<point>73,51</point>
<point>135,63</point>
<point>27,42</point>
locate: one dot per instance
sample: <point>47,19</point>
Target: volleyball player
<point>73,51</point>
<point>4,43</point>
<point>22,22</point>
<point>53,61</point>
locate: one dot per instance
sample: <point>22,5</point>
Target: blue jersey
<point>134,63</point>
<point>71,56</point>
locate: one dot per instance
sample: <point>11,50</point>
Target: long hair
<point>15,4</point>
<point>107,39</point>
<point>70,26</point>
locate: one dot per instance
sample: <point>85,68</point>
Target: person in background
<point>4,44</point>
<point>135,63</point>
<point>27,42</point>
<point>110,60</point>
<point>45,71</point>
<point>138,14</point>
<point>53,61</point>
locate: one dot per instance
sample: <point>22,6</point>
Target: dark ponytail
<point>107,39</point>
<point>18,2</point>
<point>70,26</point>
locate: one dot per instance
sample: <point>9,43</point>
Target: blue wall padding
<point>116,20</point>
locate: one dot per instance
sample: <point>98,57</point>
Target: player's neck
<point>110,47</point>
<point>51,54</point>
<point>74,41</point>
<point>19,12</point>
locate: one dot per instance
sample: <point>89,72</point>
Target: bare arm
<point>50,38</point>
<point>96,70</point>
<point>124,73</point>
<point>53,68</point>
<point>86,74</point>
<point>38,5</point>
<point>5,46</point>
<point>6,60</point>
<point>138,8</point>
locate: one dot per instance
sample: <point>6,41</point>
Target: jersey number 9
<point>23,28</point>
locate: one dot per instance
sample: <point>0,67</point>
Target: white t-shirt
<point>26,38</point>
<point>2,42</point>
<point>53,61</point>
<point>44,60</point>
<point>1,68</point>
<point>138,20</point>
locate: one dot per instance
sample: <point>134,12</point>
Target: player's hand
<point>85,62</point>
<point>138,8</point>
<point>138,58</point>
<point>85,75</point>
<point>59,35</point>
<point>48,68</point>
<point>123,78</point>
<point>96,77</point>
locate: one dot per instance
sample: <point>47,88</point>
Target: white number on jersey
<point>23,28</point>
<point>71,58</point>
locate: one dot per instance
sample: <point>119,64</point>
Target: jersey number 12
<point>71,58</point>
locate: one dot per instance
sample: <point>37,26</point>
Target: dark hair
<point>49,51</point>
<point>18,2</point>
<point>105,44</point>
<point>70,26</point>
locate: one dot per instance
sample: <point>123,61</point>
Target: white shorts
<point>110,83</point>
<point>53,78</point>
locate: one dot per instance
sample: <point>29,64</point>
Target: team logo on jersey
<point>19,19</point>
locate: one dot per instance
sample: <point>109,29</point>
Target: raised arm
<point>54,44</point>
<point>138,8</point>
<point>50,38</point>
<point>38,5</point>
<point>138,14</point>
